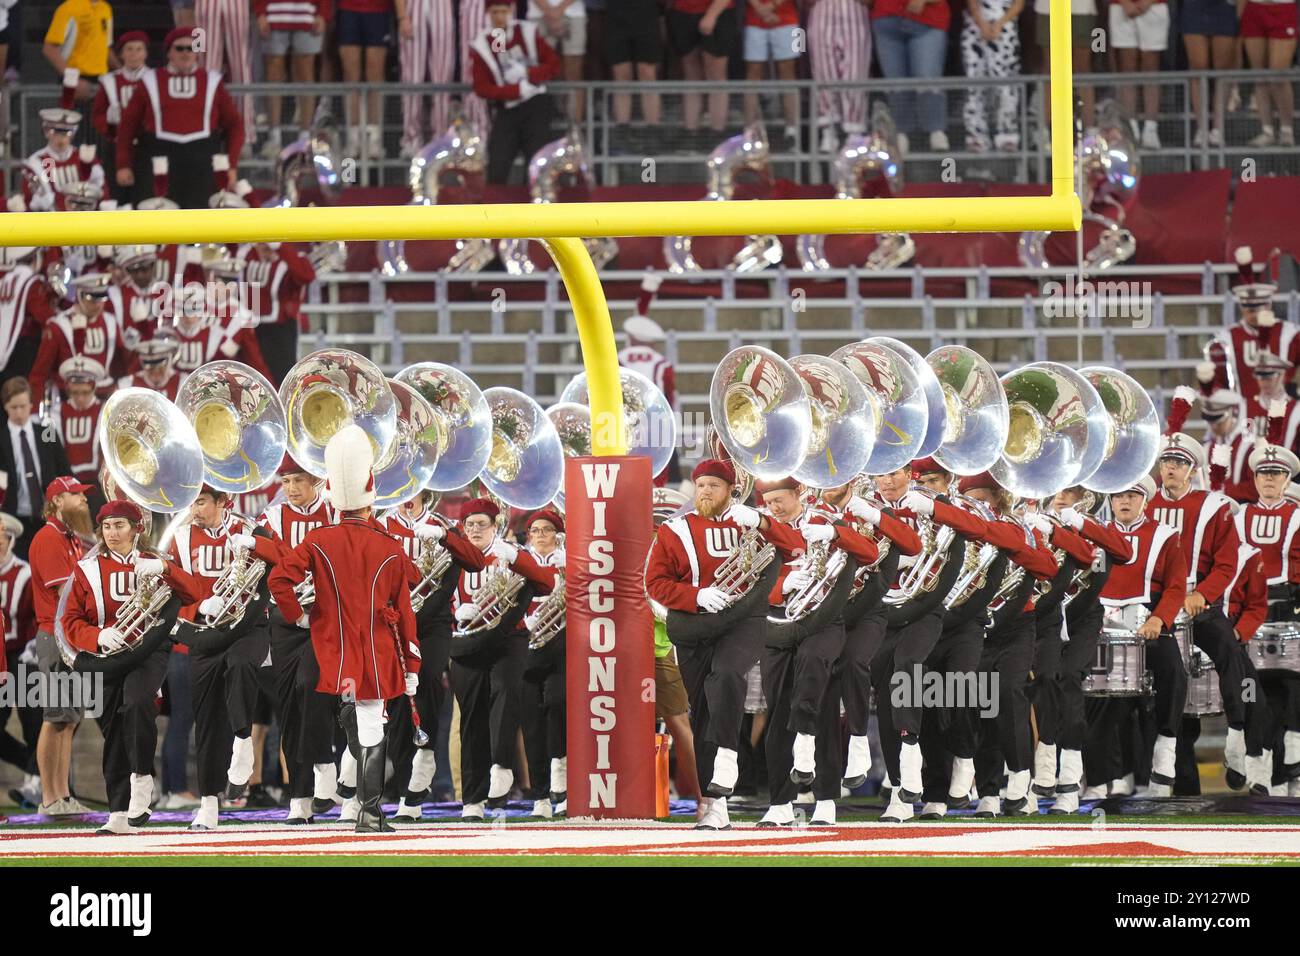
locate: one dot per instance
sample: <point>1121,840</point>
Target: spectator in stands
<point>78,40</point>
<point>512,64</point>
<point>1083,24</point>
<point>364,29</point>
<point>633,48</point>
<point>703,34</point>
<point>183,13</point>
<point>912,41</point>
<point>563,23</point>
<point>30,458</point>
<point>427,54</point>
<point>226,47</point>
<point>292,29</point>
<point>1139,33</point>
<point>990,46</point>
<point>5,6</point>
<point>1209,29</point>
<point>772,33</point>
<point>839,48</point>
<point>1268,33</point>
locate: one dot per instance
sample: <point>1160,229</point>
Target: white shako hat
<point>349,467</point>
<point>1145,486</point>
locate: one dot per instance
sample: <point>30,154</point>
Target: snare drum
<point>1120,669</point>
<point>1276,647</point>
<point>1204,695</point>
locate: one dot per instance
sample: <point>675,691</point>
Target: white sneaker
<point>829,143</point>
<point>116,823</point>
<point>272,147</point>
<point>1259,773</point>
<point>141,796</point>
<point>898,811</point>
<point>726,771</point>
<point>501,779</point>
<point>1150,135</point>
<point>1265,138</point>
<point>1099,792</point>
<point>299,811</point>
<point>374,142</point>
<point>960,781</point>
<point>1044,769</point>
<point>778,815</point>
<point>824,815</point>
<point>909,764</point>
<point>406,811</point>
<point>934,811</point>
<point>1065,803</point>
<point>989,807</point>
<point>542,809</point>
<point>859,762</point>
<point>423,766</point>
<point>350,810</point>
<point>939,141</point>
<point>473,812</point>
<point>205,818</point>
<point>1215,139</point>
<point>352,143</point>
<point>716,817</point>
<point>1234,758</point>
<point>559,777</point>
<point>1198,141</point>
<point>1162,760</point>
<point>805,758</point>
<point>241,761</point>
<point>1286,136</point>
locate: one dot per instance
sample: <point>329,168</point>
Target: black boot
<point>348,721</point>
<point>370,790</point>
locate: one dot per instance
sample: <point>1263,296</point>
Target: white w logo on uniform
<point>1265,529</point>
<point>1170,518</point>
<point>182,87</point>
<point>76,431</point>
<point>720,542</point>
<point>190,355</point>
<point>121,585</point>
<point>257,272</point>
<point>209,560</point>
<point>96,340</point>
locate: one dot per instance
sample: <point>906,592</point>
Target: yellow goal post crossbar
<point>557,223</point>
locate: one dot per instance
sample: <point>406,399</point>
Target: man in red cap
<point>487,668</point>
<point>179,114</point>
<point>715,655</point>
<point>101,584</point>
<point>420,534</point>
<point>55,550</point>
<point>797,666</point>
<point>542,703</point>
<point>114,93</point>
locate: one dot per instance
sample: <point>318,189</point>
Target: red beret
<point>546,514</point>
<point>972,482</point>
<point>480,506</point>
<point>290,467</point>
<point>927,466</point>
<point>120,509</point>
<point>135,36</point>
<point>180,33</point>
<point>715,468</point>
<point>780,484</point>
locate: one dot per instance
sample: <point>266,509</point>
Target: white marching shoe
<point>1291,748</point>
<point>241,768</point>
<point>715,817</point>
<point>137,812</point>
<point>407,811</point>
<point>1098,792</point>
<point>1065,803</point>
<point>560,779</point>
<point>960,781</point>
<point>805,759</point>
<point>205,817</point>
<point>1162,762</point>
<point>934,811</point>
<point>1234,759</point>
<point>1017,790</point>
<point>1293,788</point>
<point>1071,772</point>
<point>472,812</point>
<point>423,766</point>
<point>859,762</point>
<point>299,811</point>
<point>347,775</point>
<point>726,771</point>
<point>501,779</point>
<point>1030,807</point>
<point>778,815</point>
<point>909,764</point>
<point>1122,786</point>
<point>824,814</point>
<point>350,810</point>
<point>989,807</point>
<point>325,791</point>
<point>541,809</point>
<point>899,810</point>
<point>115,824</point>
<point>1259,773</point>
<point>1044,769</point>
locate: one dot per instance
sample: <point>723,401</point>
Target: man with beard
<point>56,549</point>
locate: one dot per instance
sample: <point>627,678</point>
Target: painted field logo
<point>76,909</point>
<point>1082,299</point>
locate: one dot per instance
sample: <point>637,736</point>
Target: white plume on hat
<point>349,465</point>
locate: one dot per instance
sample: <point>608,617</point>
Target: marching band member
<point>79,415</point>
<point>1209,539</point>
<point>113,93</point>
<point>1157,579</point>
<point>217,327</point>
<point>415,528</point>
<point>58,167</point>
<point>1083,622</point>
<point>156,357</point>
<point>865,617</point>
<point>90,328</point>
<point>306,731</point>
<point>26,304</point>
<point>803,741</point>
<point>680,574</point>
<point>487,670</point>
<point>1232,354</point>
<point>139,281</point>
<point>101,584</point>
<point>1229,428</point>
<point>542,707</point>
<point>278,277</point>
<point>224,674</point>
<point>1271,371</point>
<point>362,626</point>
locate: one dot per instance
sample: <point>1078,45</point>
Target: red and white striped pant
<point>839,46</point>
<point>226,39</point>
<point>473,19</point>
<point>428,56</point>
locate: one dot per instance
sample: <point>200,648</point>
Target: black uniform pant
<point>487,686</point>
<point>190,179</point>
<point>1066,691</point>
<point>1006,738</point>
<point>854,668</point>
<point>800,691</point>
<point>22,754</point>
<point>949,731</point>
<point>129,723</point>
<point>525,129</point>
<point>279,344</point>
<point>894,671</point>
<point>435,640</point>
<point>714,673</point>
<point>307,717</point>
<point>142,188</point>
<point>543,713</point>
<point>225,700</point>
<point>1045,667</point>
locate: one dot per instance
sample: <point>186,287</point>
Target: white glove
<point>28,656</point>
<point>795,580</point>
<point>210,607</point>
<point>530,622</point>
<point>712,599</point>
<point>819,533</point>
<point>745,516</point>
<point>515,72</point>
<point>1040,523</point>
<point>114,115</point>
<point>504,551</point>
<point>918,503</point>
<point>431,532</point>
<point>466,612</point>
<point>149,566</point>
<point>245,542</point>
<point>304,622</point>
<point>863,511</point>
<point>528,90</point>
<point>1070,518</point>
<point>111,640</point>
<point>412,682</point>
<point>1205,372</point>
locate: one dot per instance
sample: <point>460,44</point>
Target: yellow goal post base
<point>556,224</point>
